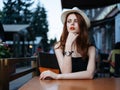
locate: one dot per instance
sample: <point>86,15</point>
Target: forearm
<point>64,62</point>
<point>76,75</point>
<point>66,66</point>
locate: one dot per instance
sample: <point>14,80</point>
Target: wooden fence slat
<point>6,65</point>
<point>4,74</point>
<point>20,74</point>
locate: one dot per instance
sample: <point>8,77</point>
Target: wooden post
<point>4,74</point>
<point>34,64</point>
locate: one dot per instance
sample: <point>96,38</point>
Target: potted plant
<point>5,53</point>
<point>4,50</point>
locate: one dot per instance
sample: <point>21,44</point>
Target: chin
<point>72,31</point>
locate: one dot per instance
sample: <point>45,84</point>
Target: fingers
<point>42,75</point>
<point>45,75</point>
<point>71,38</point>
<point>73,34</point>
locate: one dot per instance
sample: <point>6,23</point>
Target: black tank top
<point>79,64</point>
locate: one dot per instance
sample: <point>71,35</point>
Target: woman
<point>75,54</point>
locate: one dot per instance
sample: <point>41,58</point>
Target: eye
<point>75,20</point>
<point>69,20</point>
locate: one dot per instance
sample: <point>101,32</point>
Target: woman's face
<point>72,24</point>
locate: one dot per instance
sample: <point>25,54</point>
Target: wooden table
<point>96,84</point>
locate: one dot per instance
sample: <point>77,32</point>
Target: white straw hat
<point>75,9</point>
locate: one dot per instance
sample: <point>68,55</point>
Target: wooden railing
<point>7,63</point>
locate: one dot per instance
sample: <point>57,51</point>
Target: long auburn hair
<point>82,41</point>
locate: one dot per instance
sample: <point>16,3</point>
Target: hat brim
<point>65,13</point>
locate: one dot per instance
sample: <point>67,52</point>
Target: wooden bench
<point>42,60</point>
<point>47,61</point>
<point>7,64</point>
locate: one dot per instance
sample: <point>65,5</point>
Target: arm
<point>65,61</point>
<point>109,57</point>
<point>112,63</point>
<point>88,74</point>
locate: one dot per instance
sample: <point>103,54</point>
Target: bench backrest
<point>48,61</point>
<point>42,60</point>
<point>6,64</point>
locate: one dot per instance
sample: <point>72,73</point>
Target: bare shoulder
<point>57,48</point>
<point>91,49</point>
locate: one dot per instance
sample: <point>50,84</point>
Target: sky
<point>53,10</point>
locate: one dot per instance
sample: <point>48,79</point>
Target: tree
<point>1,14</point>
<point>40,25</point>
<point>16,11</point>
<point>23,14</point>
<point>8,12</point>
<point>52,42</point>
<point>27,14</point>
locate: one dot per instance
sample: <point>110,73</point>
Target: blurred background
<point>31,25</point>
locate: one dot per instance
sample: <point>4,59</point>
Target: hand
<point>71,38</point>
<point>48,75</point>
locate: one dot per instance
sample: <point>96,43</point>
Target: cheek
<point>77,29</point>
<point>68,26</point>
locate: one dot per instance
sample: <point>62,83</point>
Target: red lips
<point>72,28</point>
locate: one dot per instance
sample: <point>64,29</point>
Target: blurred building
<point>19,39</point>
<point>105,19</point>
<point>106,32</point>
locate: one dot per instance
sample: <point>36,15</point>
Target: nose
<point>72,23</point>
